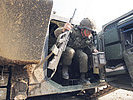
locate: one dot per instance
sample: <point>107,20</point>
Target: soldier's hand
<point>95,50</point>
<point>67,26</point>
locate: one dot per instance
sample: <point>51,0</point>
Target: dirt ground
<point>119,94</point>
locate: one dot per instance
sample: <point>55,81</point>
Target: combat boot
<point>65,74</point>
<point>83,80</point>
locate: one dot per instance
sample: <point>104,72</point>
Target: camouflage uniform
<point>76,45</point>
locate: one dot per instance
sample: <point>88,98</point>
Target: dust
<point>119,94</point>
<point>6,61</point>
<point>23,26</point>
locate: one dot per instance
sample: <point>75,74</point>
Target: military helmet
<point>87,23</point>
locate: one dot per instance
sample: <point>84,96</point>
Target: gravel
<point>119,94</point>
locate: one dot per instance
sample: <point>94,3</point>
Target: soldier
<point>80,39</point>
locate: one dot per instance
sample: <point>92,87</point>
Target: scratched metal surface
<point>23,25</point>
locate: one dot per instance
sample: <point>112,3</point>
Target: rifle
<point>57,50</point>
<point>59,47</point>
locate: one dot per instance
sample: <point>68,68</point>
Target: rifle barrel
<point>70,21</point>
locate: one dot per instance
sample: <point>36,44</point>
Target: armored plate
<point>112,35</point>
<point>113,51</point>
<point>23,26</point>
<point>51,87</point>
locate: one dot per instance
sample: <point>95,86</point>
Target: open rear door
<point>126,28</point>
<point>118,46</point>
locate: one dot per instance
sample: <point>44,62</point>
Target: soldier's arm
<point>58,31</point>
<point>94,50</point>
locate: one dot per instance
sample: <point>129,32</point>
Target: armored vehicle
<point>26,36</point>
<point>116,40</point>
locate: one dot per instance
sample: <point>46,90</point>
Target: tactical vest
<point>77,41</point>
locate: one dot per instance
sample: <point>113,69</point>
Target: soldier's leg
<point>83,61</point>
<point>66,61</point>
<point>83,64</point>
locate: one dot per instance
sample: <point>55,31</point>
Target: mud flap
<point>128,58</point>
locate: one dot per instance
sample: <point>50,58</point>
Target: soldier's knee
<point>82,55</point>
<point>68,56</point>
<point>70,51</point>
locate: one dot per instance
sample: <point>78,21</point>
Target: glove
<point>67,26</point>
